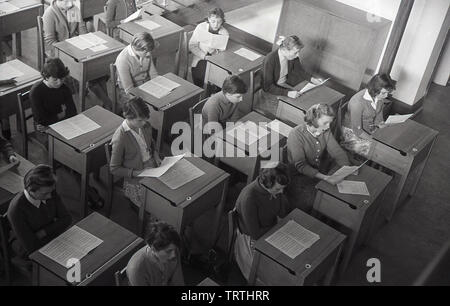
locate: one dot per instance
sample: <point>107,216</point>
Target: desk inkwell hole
<point>188,198</point>
<point>308,266</point>
<point>240,69</point>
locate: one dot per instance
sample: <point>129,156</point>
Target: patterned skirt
<point>355,144</point>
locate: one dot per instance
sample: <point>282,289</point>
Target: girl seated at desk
<point>365,114</point>
<point>158,263</point>
<point>135,64</point>
<point>213,25</point>
<point>133,149</point>
<point>258,207</point>
<point>37,215</point>
<point>117,10</point>
<point>282,70</point>
<point>62,20</point>
<point>7,150</point>
<point>51,99</point>
<point>306,146</point>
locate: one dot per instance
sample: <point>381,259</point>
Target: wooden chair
<point>23,103</point>
<point>196,109</point>
<point>436,273</point>
<point>41,43</point>
<point>187,34</point>
<point>121,278</point>
<point>255,84</point>
<point>100,23</point>
<point>5,251</point>
<point>115,94</point>
<point>342,110</point>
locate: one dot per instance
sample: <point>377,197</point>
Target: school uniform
<point>306,157</point>
<point>117,10</point>
<point>218,109</point>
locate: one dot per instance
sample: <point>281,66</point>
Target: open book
<point>310,86</point>
<point>159,87</point>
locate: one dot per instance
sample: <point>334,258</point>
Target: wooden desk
<point>168,35</point>
<point>85,153</point>
<point>172,108</point>
<point>357,213</point>
<point>86,65</point>
<point>182,206</point>
<point>21,169</point>
<point>8,93</point>
<point>250,156</point>
<point>17,21</point>
<point>293,110</point>
<point>168,5</point>
<point>99,266</point>
<point>403,148</point>
<point>272,267</point>
<point>226,63</point>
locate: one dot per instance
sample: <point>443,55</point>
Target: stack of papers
<point>88,41</point>
<point>353,187</point>
<point>132,17</point>
<point>248,132</point>
<point>75,126</point>
<point>7,71</point>
<point>159,87</point>
<point>292,239</point>
<point>310,86</point>
<point>248,54</point>
<point>6,7</point>
<point>180,174</point>
<point>393,119</point>
<point>148,24</point>
<point>166,164</point>
<point>73,243</point>
<point>280,127</point>
<point>215,41</point>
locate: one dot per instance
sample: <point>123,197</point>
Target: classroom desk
<point>168,5</point>
<point>168,35</point>
<point>207,282</point>
<point>85,153</point>
<point>183,205</point>
<point>227,63</point>
<point>17,21</point>
<point>247,159</point>
<point>272,267</point>
<point>172,108</point>
<point>21,169</point>
<point>99,266</point>
<point>293,110</point>
<point>357,213</point>
<point>8,93</point>
<point>403,148</point>
<point>86,65</point>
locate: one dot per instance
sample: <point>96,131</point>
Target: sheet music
<point>280,127</point>
<point>343,172</point>
<point>148,24</point>
<point>6,7</point>
<point>393,119</point>
<point>86,41</point>
<point>248,132</point>
<point>99,48</point>
<point>180,174</point>
<point>134,16</point>
<point>159,87</point>
<point>310,86</point>
<point>248,54</point>
<point>292,239</point>
<point>73,243</point>
<point>165,82</point>
<point>11,182</point>
<point>166,164</point>
<point>75,126</point>
<point>353,187</point>
<point>8,71</point>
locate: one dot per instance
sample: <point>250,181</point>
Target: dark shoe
<point>95,201</point>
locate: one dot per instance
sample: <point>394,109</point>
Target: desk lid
<point>408,137</point>
<point>311,257</point>
<point>376,181</point>
<point>167,27</point>
<point>29,75</point>
<point>178,95</point>
<point>181,194</point>
<point>108,122</point>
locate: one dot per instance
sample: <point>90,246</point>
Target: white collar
<point>125,126</point>
<point>368,97</point>
<point>34,202</point>
<point>132,53</point>
<point>312,134</point>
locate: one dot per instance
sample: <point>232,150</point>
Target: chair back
<point>4,246</point>
<point>113,73</point>
<point>255,84</point>
<point>233,225</point>
<point>196,126</point>
<point>121,278</point>
<point>41,43</point>
<point>23,103</point>
<point>186,59</point>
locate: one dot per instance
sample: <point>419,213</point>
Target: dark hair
<point>234,84</point>
<point>135,108</point>
<point>54,67</point>
<point>278,174</point>
<point>316,111</point>
<point>39,176</point>
<point>292,42</point>
<point>143,41</point>
<point>160,235</point>
<point>217,11</point>
<point>378,82</point>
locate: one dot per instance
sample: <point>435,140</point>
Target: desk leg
<point>420,169</point>
<point>219,210</point>
<point>206,81</point>
<point>255,264</point>
<point>350,245</point>
<point>84,184</point>
<point>329,276</point>
<point>51,154</point>
<point>398,190</point>
<point>2,58</point>
<point>35,275</point>
<point>178,54</point>
<point>17,44</point>
<point>82,88</point>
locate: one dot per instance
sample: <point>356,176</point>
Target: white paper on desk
<point>211,40</point>
<point>7,71</point>
<point>73,243</point>
<point>75,126</point>
<point>353,187</point>
<point>248,54</point>
<point>166,164</point>
<point>11,182</point>
<point>86,41</point>
<point>132,17</point>
<point>343,172</point>
<point>280,127</point>
<point>248,132</point>
<point>148,24</point>
<point>310,86</point>
<point>393,119</point>
<point>99,48</point>
<point>159,87</point>
<point>93,39</point>
<point>180,174</point>
<point>292,239</point>
<point>6,7</point>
